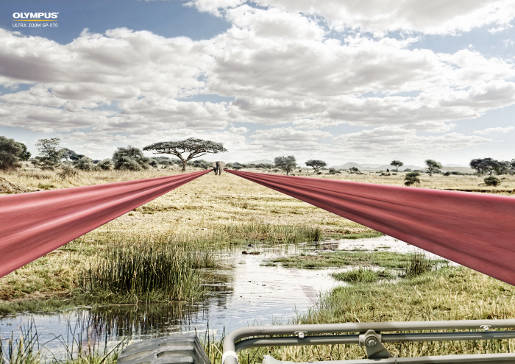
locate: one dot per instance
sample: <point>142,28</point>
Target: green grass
<point>340,258</point>
<point>25,349</point>
<point>145,269</point>
<point>417,265</point>
<point>450,293</point>
<point>362,275</point>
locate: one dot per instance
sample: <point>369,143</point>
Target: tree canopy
<point>11,152</point>
<point>316,164</point>
<point>490,166</point>
<point>49,153</point>
<point>130,158</point>
<point>286,163</point>
<point>433,166</point>
<point>187,149</point>
<point>396,164</point>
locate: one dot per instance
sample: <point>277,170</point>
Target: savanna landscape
<point>171,250</point>
<point>136,141</point>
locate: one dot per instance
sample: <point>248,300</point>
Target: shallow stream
<point>253,293</point>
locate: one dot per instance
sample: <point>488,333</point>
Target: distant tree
<point>316,164</point>
<point>492,181</point>
<point>49,153</point>
<point>105,164</point>
<point>502,167</point>
<point>237,165</point>
<point>490,166</point>
<point>130,158</point>
<point>11,153</point>
<point>187,149</point>
<point>200,163</point>
<point>286,163</point>
<point>333,171</point>
<point>68,155</point>
<point>163,161</point>
<point>433,166</point>
<point>396,164</point>
<point>411,178</point>
<point>84,164</point>
<point>354,170</point>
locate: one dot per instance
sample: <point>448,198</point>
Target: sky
<point>364,81</point>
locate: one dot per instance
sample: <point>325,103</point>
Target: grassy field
<point>208,212</point>
<point>184,229</point>
<point>451,293</point>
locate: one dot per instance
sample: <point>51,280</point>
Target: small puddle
<point>254,293</point>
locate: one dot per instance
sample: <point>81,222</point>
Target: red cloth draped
<point>33,224</point>
<point>475,230</point>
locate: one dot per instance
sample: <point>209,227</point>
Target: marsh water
<point>250,292</point>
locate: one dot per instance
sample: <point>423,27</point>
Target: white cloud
<point>288,76</point>
<point>379,16</point>
<point>496,130</point>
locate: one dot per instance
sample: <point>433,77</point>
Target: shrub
<point>84,164</point>
<point>105,164</point>
<point>130,158</point>
<point>492,181</point>
<point>11,152</point>
<point>67,171</point>
<point>411,178</point>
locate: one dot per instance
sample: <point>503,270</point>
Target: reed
<point>417,265</point>
<point>143,269</point>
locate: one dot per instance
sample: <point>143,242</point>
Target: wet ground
<point>252,293</point>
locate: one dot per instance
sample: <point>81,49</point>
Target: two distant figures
<point>218,167</point>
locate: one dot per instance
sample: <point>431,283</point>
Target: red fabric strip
<point>475,230</point>
<point>33,224</point>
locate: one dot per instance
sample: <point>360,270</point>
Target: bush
<point>130,158</point>
<point>84,164</point>
<point>411,178</point>
<point>105,164</point>
<point>492,181</point>
<point>67,171</point>
<point>11,152</point>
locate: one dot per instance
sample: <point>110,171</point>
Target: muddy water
<point>251,293</point>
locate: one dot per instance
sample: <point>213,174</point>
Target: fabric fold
<point>33,224</point>
<point>475,230</point>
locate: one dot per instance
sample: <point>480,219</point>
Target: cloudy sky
<point>365,81</point>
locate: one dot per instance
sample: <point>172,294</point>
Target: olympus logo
<point>36,16</point>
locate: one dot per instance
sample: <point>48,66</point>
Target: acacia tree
<point>316,164</point>
<point>286,163</point>
<point>187,149</point>
<point>396,164</point>
<point>490,166</point>
<point>11,152</point>
<point>433,166</point>
<point>49,153</point>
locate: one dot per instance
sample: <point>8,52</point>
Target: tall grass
<point>26,348</point>
<point>417,265</point>
<point>172,270</point>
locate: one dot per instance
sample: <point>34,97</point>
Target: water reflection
<point>248,292</point>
